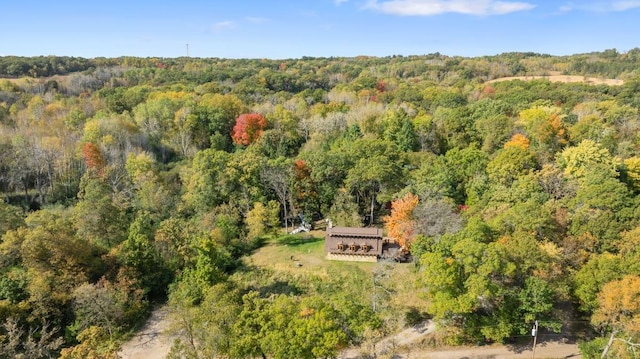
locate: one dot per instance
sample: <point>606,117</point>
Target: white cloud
<point>223,25</point>
<point>338,2</point>
<point>625,5</point>
<point>602,6</point>
<point>436,7</point>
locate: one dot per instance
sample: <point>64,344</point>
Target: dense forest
<point>129,182</point>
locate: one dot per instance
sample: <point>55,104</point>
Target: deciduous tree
<point>401,223</point>
<point>619,310</point>
<point>248,128</point>
<point>544,126</point>
<point>263,219</point>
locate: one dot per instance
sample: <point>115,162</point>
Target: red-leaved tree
<point>93,158</point>
<point>248,128</point>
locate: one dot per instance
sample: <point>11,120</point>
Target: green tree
<point>579,160</point>
<point>398,129</point>
<point>466,164</point>
<point>97,218</point>
<point>141,258</point>
<point>376,173</point>
<point>426,135</point>
<point>263,219</point>
<point>211,120</point>
<point>509,164</point>
<point>10,218</point>
<point>344,211</point>
<point>285,328</point>
<point>481,289</point>
<point>602,206</point>
<point>631,171</point>
<point>205,330</point>
<point>211,181</point>
<point>433,177</point>
<point>589,280</point>
<point>151,194</point>
<point>492,121</point>
<point>156,116</point>
<point>455,126</point>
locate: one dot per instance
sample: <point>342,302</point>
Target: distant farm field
<point>557,77</point>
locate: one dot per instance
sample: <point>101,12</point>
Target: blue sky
<point>280,29</point>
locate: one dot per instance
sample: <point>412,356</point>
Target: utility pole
<point>534,334</point>
<point>187,50</point>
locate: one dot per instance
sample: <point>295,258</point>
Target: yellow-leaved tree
<point>619,311</point>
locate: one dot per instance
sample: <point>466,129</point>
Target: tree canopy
<point>128,182</point>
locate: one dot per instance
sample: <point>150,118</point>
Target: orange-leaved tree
<point>401,224</point>
<point>93,158</point>
<point>518,140</point>
<point>248,128</point>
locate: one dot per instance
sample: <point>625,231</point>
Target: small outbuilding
<point>354,244</point>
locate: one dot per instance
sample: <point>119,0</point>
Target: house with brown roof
<point>354,244</point>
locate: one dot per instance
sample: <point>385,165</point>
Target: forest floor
<point>556,76</point>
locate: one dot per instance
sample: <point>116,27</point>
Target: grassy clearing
<point>302,255</point>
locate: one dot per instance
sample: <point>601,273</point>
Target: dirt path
<point>403,346</point>
<point>151,342</point>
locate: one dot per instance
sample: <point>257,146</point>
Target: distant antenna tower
<point>187,50</point>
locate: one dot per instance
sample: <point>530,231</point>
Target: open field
<point>556,76</point>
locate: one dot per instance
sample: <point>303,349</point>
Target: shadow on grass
<point>297,239</point>
<point>267,282</point>
<point>279,287</point>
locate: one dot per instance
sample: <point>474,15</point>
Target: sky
<point>286,29</point>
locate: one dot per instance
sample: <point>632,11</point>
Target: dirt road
<point>404,346</point>
<point>152,342</point>
<point>545,350</point>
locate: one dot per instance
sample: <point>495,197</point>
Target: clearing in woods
<point>556,76</point>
